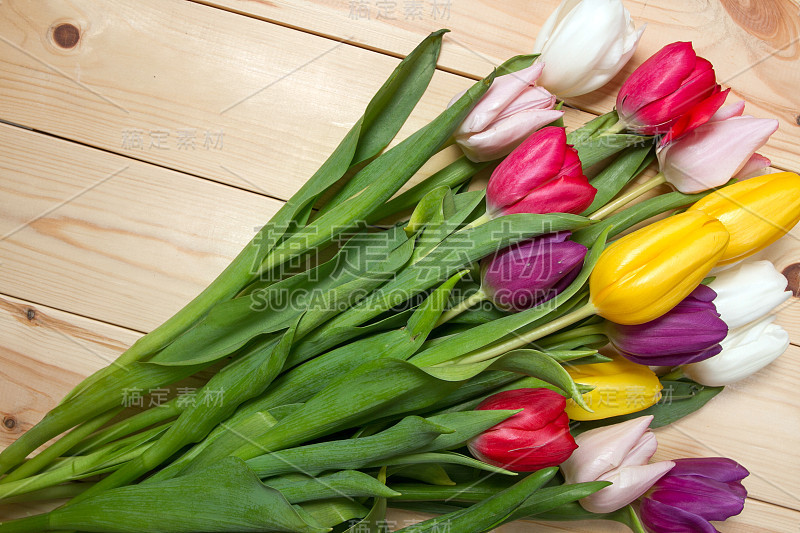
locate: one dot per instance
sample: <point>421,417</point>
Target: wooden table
<point>142,143</point>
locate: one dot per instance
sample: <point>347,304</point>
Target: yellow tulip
<point>621,387</point>
<point>646,273</point>
<point>756,212</point>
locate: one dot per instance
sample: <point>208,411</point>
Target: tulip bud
<point>713,153</point>
<point>646,273</point>
<point>535,438</point>
<point>512,109</point>
<point>689,332</point>
<point>673,83</point>
<point>694,492</point>
<point>584,44</point>
<point>618,453</point>
<point>756,212</point>
<point>532,272</point>
<point>748,292</point>
<point>745,351</point>
<point>542,175</point>
<point>620,387</point>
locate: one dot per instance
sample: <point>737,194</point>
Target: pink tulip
<point>542,175</point>
<point>671,93</point>
<point>618,453</point>
<point>713,153</point>
<point>512,109</point>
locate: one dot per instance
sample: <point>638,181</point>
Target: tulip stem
<point>628,197</point>
<point>521,340</point>
<point>475,298</point>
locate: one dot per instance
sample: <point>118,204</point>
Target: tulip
<point>694,492</point>
<point>535,438</point>
<point>745,351</point>
<point>674,88</point>
<point>584,44</point>
<point>532,272</point>
<point>689,332</point>
<point>646,273</point>
<point>748,292</point>
<point>713,153</point>
<point>756,212</point>
<point>621,387</point>
<point>618,453</point>
<point>512,109</point>
<point>542,175</point>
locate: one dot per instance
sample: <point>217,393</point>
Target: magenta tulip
<point>512,109</point>
<point>713,153</point>
<point>535,438</point>
<point>532,272</point>
<point>542,175</point>
<point>694,492</point>
<point>671,93</point>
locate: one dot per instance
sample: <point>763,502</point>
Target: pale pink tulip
<point>512,109</point>
<point>618,453</point>
<point>713,153</point>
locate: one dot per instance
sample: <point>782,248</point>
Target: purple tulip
<point>532,272</point>
<point>689,333</point>
<point>692,493</point>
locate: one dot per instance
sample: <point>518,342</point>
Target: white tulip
<point>584,43</point>
<point>745,351</point>
<point>748,292</point>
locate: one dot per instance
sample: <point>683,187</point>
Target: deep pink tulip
<point>671,93</point>
<point>535,438</point>
<point>542,175</point>
<point>715,152</point>
<point>512,109</point>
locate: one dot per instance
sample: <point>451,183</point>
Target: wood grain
<point>111,238</point>
<point>180,67</point>
<point>43,357</point>
<point>753,44</point>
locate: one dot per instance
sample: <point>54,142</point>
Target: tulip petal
<point>755,166</point>
<point>532,164</point>
<point>711,499</point>
<point>603,449</point>
<point>564,195</point>
<point>731,110</point>
<point>660,517</point>
<point>628,483</point>
<point>506,134</point>
<point>696,116</point>
<point>749,292</point>
<point>718,468</point>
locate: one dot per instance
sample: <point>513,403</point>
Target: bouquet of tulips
<point>439,349</point>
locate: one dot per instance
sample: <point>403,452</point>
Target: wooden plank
<point>45,352</point>
<point>282,99</point>
<point>111,238</point>
<point>753,45</point>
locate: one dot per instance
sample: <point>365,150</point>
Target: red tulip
<point>671,93</point>
<point>542,175</point>
<point>535,438</point>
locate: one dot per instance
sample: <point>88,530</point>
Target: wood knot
<point>792,274</point>
<point>66,35</point>
<point>9,422</point>
<point>797,120</point>
<point>31,314</point>
<point>772,21</point>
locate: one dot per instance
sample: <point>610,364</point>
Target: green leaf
<point>430,472</point>
<point>612,179</point>
<point>408,435</point>
<point>489,513</point>
<point>376,518</point>
<point>429,210</point>
<point>297,488</point>
<point>592,151</point>
<point>329,513</point>
<point>465,426</point>
<point>619,222</point>
<point>552,497</point>
<point>238,502</point>
<point>593,127</point>
<point>451,458</point>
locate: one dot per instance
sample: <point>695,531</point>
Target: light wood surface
<point>103,239</point>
